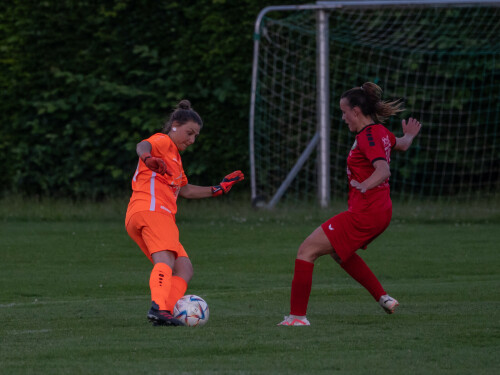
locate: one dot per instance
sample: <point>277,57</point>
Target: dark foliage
<point>83,81</point>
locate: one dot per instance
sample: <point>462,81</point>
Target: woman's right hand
<point>155,164</point>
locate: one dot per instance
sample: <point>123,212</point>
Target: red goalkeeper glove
<point>155,164</point>
<point>227,183</point>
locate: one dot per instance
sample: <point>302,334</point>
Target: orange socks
<point>177,290</point>
<point>160,283</point>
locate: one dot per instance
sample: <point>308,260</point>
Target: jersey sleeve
<point>376,142</point>
<point>159,142</point>
<point>184,180</point>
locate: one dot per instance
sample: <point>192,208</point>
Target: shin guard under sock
<point>177,290</point>
<point>301,287</point>
<point>159,283</point>
<point>359,271</point>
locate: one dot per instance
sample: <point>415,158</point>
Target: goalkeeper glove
<point>155,164</point>
<point>227,183</point>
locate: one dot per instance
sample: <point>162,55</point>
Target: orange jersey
<point>155,192</point>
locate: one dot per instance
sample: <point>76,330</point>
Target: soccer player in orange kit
<point>150,218</point>
<point>369,204</point>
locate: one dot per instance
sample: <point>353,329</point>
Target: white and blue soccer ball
<point>192,310</point>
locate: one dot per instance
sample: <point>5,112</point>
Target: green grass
<point>74,295</point>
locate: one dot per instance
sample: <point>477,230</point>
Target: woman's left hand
<point>358,185</point>
<point>411,128</point>
<point>227,183</point>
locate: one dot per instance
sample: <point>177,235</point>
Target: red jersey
<point>155,192</point>
<point>374,142</point>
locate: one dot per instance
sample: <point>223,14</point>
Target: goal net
<point>443,61</point>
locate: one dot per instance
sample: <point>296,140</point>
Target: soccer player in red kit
<point>369,204</point>
<point>150,218</point>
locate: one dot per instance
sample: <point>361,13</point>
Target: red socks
<point>301,287</point>
<point>359,271</point>
<point>302,282</point>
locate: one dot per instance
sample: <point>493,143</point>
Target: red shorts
<point>154,232</point>
<point>349,231</point>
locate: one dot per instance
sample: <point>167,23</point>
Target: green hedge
<point>84,81</point>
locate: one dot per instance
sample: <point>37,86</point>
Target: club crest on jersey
<point>175,185</point>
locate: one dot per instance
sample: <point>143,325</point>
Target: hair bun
<point>184,104</point>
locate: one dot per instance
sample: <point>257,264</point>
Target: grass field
<point>74,295</point>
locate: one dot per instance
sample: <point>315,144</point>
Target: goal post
<point>441,57</point>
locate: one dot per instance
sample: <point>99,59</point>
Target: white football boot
<point>388,303</point>
<point>294,320</point>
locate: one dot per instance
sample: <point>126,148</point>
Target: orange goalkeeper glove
<point>227,183</point>
<point>155,164</point>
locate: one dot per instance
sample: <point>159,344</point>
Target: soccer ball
<point>191,310</point>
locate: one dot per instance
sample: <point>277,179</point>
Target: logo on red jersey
<point>387,147</point>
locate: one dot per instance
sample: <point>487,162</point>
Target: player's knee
<point>307,252</point>
<point>165,256</point>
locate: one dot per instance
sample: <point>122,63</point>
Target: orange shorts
<point>153,232</point>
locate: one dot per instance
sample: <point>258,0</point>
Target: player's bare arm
<point>381,173</point>
<point>410,131</point>
<point>143,147</point>
<point>195,192</point>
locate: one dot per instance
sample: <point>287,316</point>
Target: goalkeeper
<point>369,204</point>
<point>150,219</point>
